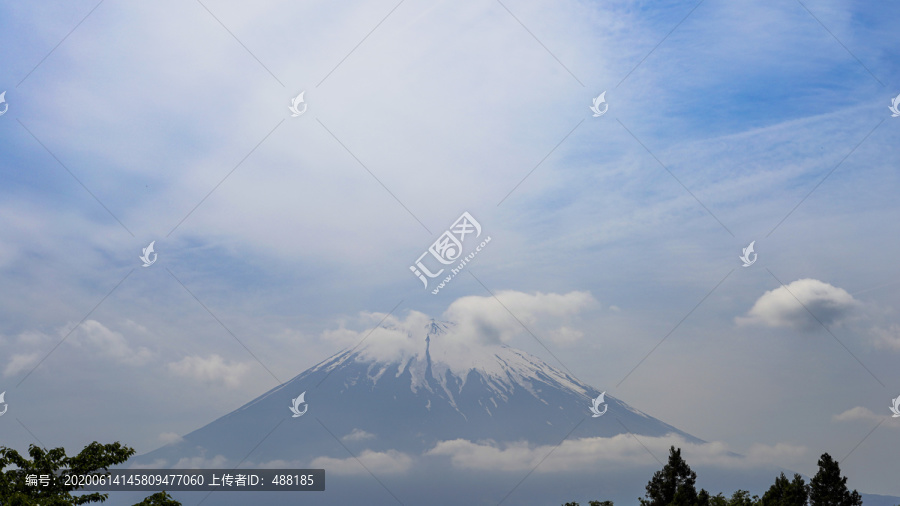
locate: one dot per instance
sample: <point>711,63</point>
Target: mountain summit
<point>428,390</point>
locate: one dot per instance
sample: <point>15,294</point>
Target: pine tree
<point>828,488</point>
<point>742,498</point>
<point>786,493</point>
<point>718,500</point>
<point>674,485</point>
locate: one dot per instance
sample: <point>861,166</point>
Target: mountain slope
<point>408,403</point>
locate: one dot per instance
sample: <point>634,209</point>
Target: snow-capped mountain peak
<point>432,388</point>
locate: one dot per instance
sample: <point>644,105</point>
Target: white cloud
<point>389,462</point>
<point>212,369</point>
<point>860,413</point>
<point>217,462</point>
<point>156,464</point>
<point>779,453</point>
<point>479,320</point>
<point>618,451</point>
<point>780,307</point>
<point>484,320</point>
<point>386,336</point>
<point>20,362</point>
<point>169,438</point>
<point>32,338</point>
<point>109,343</point>
<point>887,338</point>
<point>358,435</point>
<point>281,464</point>
<point>413,65</point>
<point>90,334</point>
<point>565,335</point>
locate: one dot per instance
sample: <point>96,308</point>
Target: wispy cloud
<point>211,369</point>
<point>887,338</point>
<point>20,362</point>
<point>860,413</point>
<point>358,435</point>
<point>598,453</point>
<point>109,343</point>
<point>386,463</point>
<point>169,438</point>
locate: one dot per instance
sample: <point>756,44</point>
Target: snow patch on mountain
<point>443,358</point>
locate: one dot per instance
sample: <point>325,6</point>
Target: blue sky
<point>445,108</point>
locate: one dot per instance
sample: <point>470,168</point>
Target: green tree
<point>718,500</point>
<point>159,499</point>
<point>785,492</point>
<point>828,488</point>
<point>674,485</point>
<point>95,458</point>
<point>703,498</point>
<point>600,503</point>
<point>742,498</point>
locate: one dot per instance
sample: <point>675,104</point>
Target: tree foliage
<point>828,488</point>
<point>674,485</point>
<point>786,492</point>
<point>159,499</point>
<point>718,500</point>
<point>742,498</point>
<point>94,458</point>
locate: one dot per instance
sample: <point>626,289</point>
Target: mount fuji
<point>412,402</point>
<point>389,415</point>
